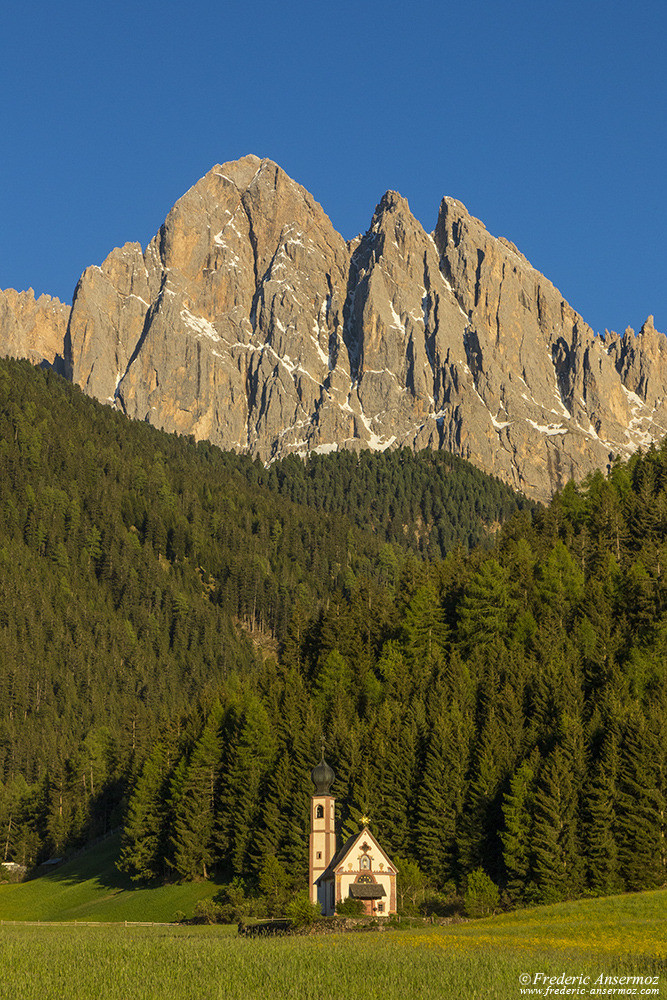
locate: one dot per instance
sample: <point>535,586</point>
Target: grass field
<point>480,960</point>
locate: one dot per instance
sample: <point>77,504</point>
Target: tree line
<point>500,711</point>
<point>141,571</point>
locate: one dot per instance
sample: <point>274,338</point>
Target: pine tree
<point>193,839</point>
<point>641,804</point>
<point>442,793</point>
<point>516,837</point>
<point>144,834</point>
<point>249,757</point>
<point>557,862</point>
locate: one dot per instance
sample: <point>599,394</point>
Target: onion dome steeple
<point>322,776</point>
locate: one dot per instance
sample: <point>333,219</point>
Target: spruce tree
<point>442,793</point>
<point>144,836</point>
<point>516,837</point>
<point>600,809</point>
<point>394,745</point>
<point>424,630</point>
<point>557,862</point>
<point>193,840</point>
<point>641,804</point>
<point>487,608</point>
<point>249,758</point>
<point>477,837</point>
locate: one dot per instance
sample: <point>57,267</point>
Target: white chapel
<point>360,869</point>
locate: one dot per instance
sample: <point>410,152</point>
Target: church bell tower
<point>322,832</point>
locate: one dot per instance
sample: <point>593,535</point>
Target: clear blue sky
<point>548,120</point>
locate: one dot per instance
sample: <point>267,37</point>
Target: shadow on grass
<point>94,863</point>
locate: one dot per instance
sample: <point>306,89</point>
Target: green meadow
<point>46,955</point>
<point>89,887</point>
<point>483,961</point>
<point>477,960</point>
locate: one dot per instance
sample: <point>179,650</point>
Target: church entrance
<point>370,892</point>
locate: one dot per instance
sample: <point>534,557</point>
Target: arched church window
<point>365,861</point>
<point>319,812</point>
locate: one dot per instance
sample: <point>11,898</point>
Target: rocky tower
<point>249,321</point>
<point>33,328</point>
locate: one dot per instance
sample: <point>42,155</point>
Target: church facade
<point>360,869</point>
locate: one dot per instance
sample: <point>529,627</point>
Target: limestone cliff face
<point>108,312</point>
<point>642,363</point>
<point>226,327</point>
<point>250,322</point>
<point>33,328</point>
<point>559,400</point>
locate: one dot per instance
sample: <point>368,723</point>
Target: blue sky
<point>548,120</point>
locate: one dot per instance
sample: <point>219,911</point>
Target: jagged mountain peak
<point>32,327</point>
<point>248,320</point>
<point>391,202</point>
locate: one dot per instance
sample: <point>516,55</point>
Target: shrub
<point>482,895</point>
<point>16,874</point>
<point>301,911</point>
<point>274,884</point>
<point>233,903</point>
<point>411,884</point>
<point>441,904</point>
<point>350,907</point>
<point>208,912</point>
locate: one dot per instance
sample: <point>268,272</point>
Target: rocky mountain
<point>33,328</point>
<point>249,321</point>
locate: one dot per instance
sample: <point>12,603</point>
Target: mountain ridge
<point>249,321</point>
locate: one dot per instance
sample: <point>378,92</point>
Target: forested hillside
<point>431,502</point>
<point>502,710</point>
<point>141,573</point>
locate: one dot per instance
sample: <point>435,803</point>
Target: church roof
<point>341,856</point>
<point>322,776</point>
<point>337,858</point>
<point>364,890</point>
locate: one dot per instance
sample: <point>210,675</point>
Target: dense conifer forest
<point>180,628</point>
